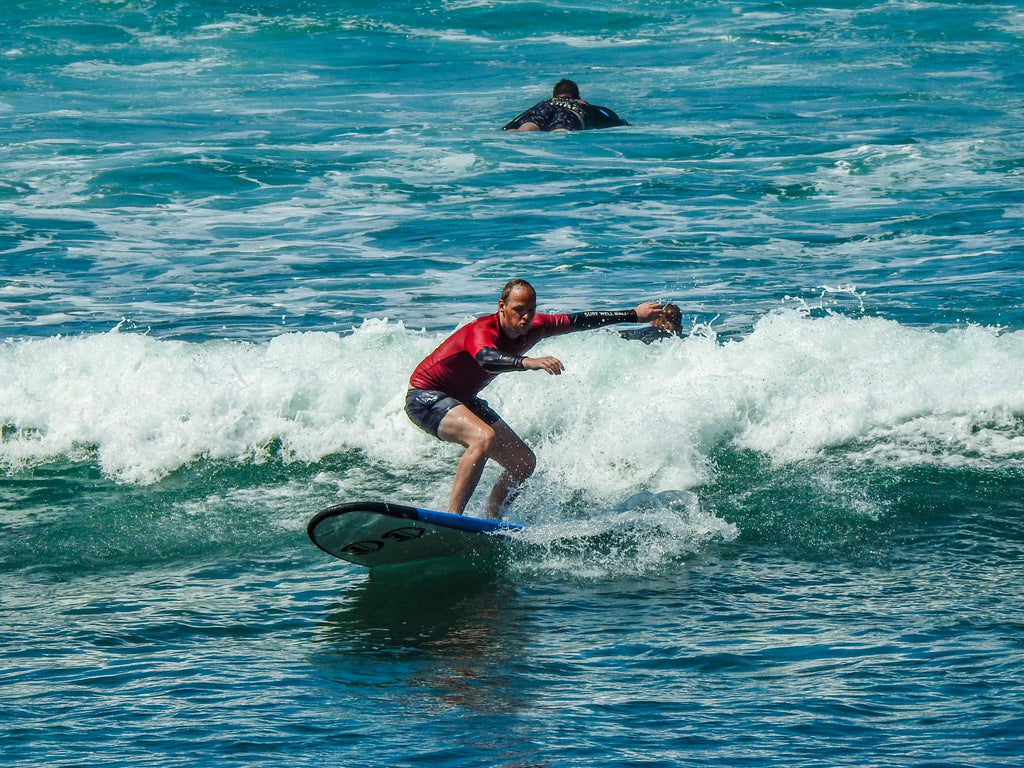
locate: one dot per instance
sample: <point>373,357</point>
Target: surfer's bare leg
<point>461,425</point>
<point>482,441</point>
<point>518,461</point>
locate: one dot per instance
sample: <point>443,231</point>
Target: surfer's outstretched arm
<point>642,313</point>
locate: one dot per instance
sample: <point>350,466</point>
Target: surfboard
<point>375,533</point>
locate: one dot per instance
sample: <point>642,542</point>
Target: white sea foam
<point>100,69</point>
<point>625,417</point>
<point>148,407</point>
<point>638,536</point>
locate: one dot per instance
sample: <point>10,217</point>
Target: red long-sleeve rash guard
<point>470,358</point>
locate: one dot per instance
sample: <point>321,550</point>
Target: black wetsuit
<point>648,335</point>
<point>566,114</point>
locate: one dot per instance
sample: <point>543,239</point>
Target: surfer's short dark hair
<point>511,285</point>
<point>567,88</point>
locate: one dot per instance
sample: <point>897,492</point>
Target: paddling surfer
<point>667,326</point>
<point>564,111</point>
<point>442,398</point>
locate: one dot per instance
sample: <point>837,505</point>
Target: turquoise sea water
<point>792,538</point>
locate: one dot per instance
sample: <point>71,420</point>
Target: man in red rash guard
<point>442,398</point>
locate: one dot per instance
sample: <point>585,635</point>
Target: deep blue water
<point>792,538</point>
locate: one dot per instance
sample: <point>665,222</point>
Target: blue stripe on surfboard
<point>463,523</point>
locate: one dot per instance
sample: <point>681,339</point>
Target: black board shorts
<point>426,408</point>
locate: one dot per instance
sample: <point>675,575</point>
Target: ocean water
<point>793,537</point>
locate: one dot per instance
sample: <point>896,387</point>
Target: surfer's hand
<point>648,311</point>
<point>550,364</point>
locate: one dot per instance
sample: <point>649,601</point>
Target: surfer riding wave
<point>443,389</point>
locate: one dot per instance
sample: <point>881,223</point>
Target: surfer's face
<point>516,314</point>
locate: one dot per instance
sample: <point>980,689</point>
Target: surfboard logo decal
<point>362,547</point>
<point>405,533</point>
